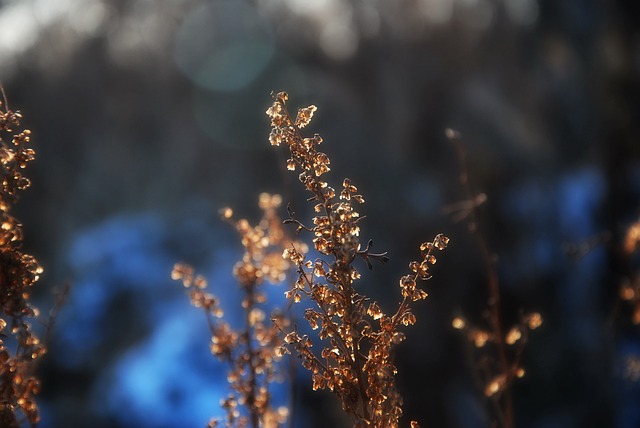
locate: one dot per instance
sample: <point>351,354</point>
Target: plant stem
<point>251,398</point>
<point>492,282</point>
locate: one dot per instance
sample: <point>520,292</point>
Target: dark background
<point>148,116</point>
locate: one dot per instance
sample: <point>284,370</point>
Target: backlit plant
<point>357,337</point>
<point>630,288</point>
<point>252,351</point>
<point>497,351</point>
<point>19,346</point>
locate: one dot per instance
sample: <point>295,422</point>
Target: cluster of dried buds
<point>253,351</point>
<point>19,346</point>
<point>496,377</point>
<point>630,288</point>
<point>356,335</point>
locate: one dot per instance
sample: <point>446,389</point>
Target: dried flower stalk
<point>252,353</point>
<point>19,346</point>
<point>499,351</point>
<point>357,336</point>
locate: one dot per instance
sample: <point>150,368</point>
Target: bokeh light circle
<point>223,46</point>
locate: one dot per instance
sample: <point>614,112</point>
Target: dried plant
<point>357,336</point>
<point>252,352</point>
<point>630,287</point>
<point>498,350</point>
<point>19,346</point>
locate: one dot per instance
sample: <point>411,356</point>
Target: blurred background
<point>149,115</point>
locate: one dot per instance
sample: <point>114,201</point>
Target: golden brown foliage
<point>19,346</point>
<point>357,336</point>
<point>251,353</point>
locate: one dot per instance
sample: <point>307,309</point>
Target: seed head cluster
<point>253,351</point>
<point>495,376</point>
<point>357,337</point>
<point>19,346</point>
<point>630,287</point>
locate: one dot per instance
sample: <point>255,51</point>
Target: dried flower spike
<point>357,337</point>
<point>498,353</point>
<point>252,352</point>
<point>19,346</point>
